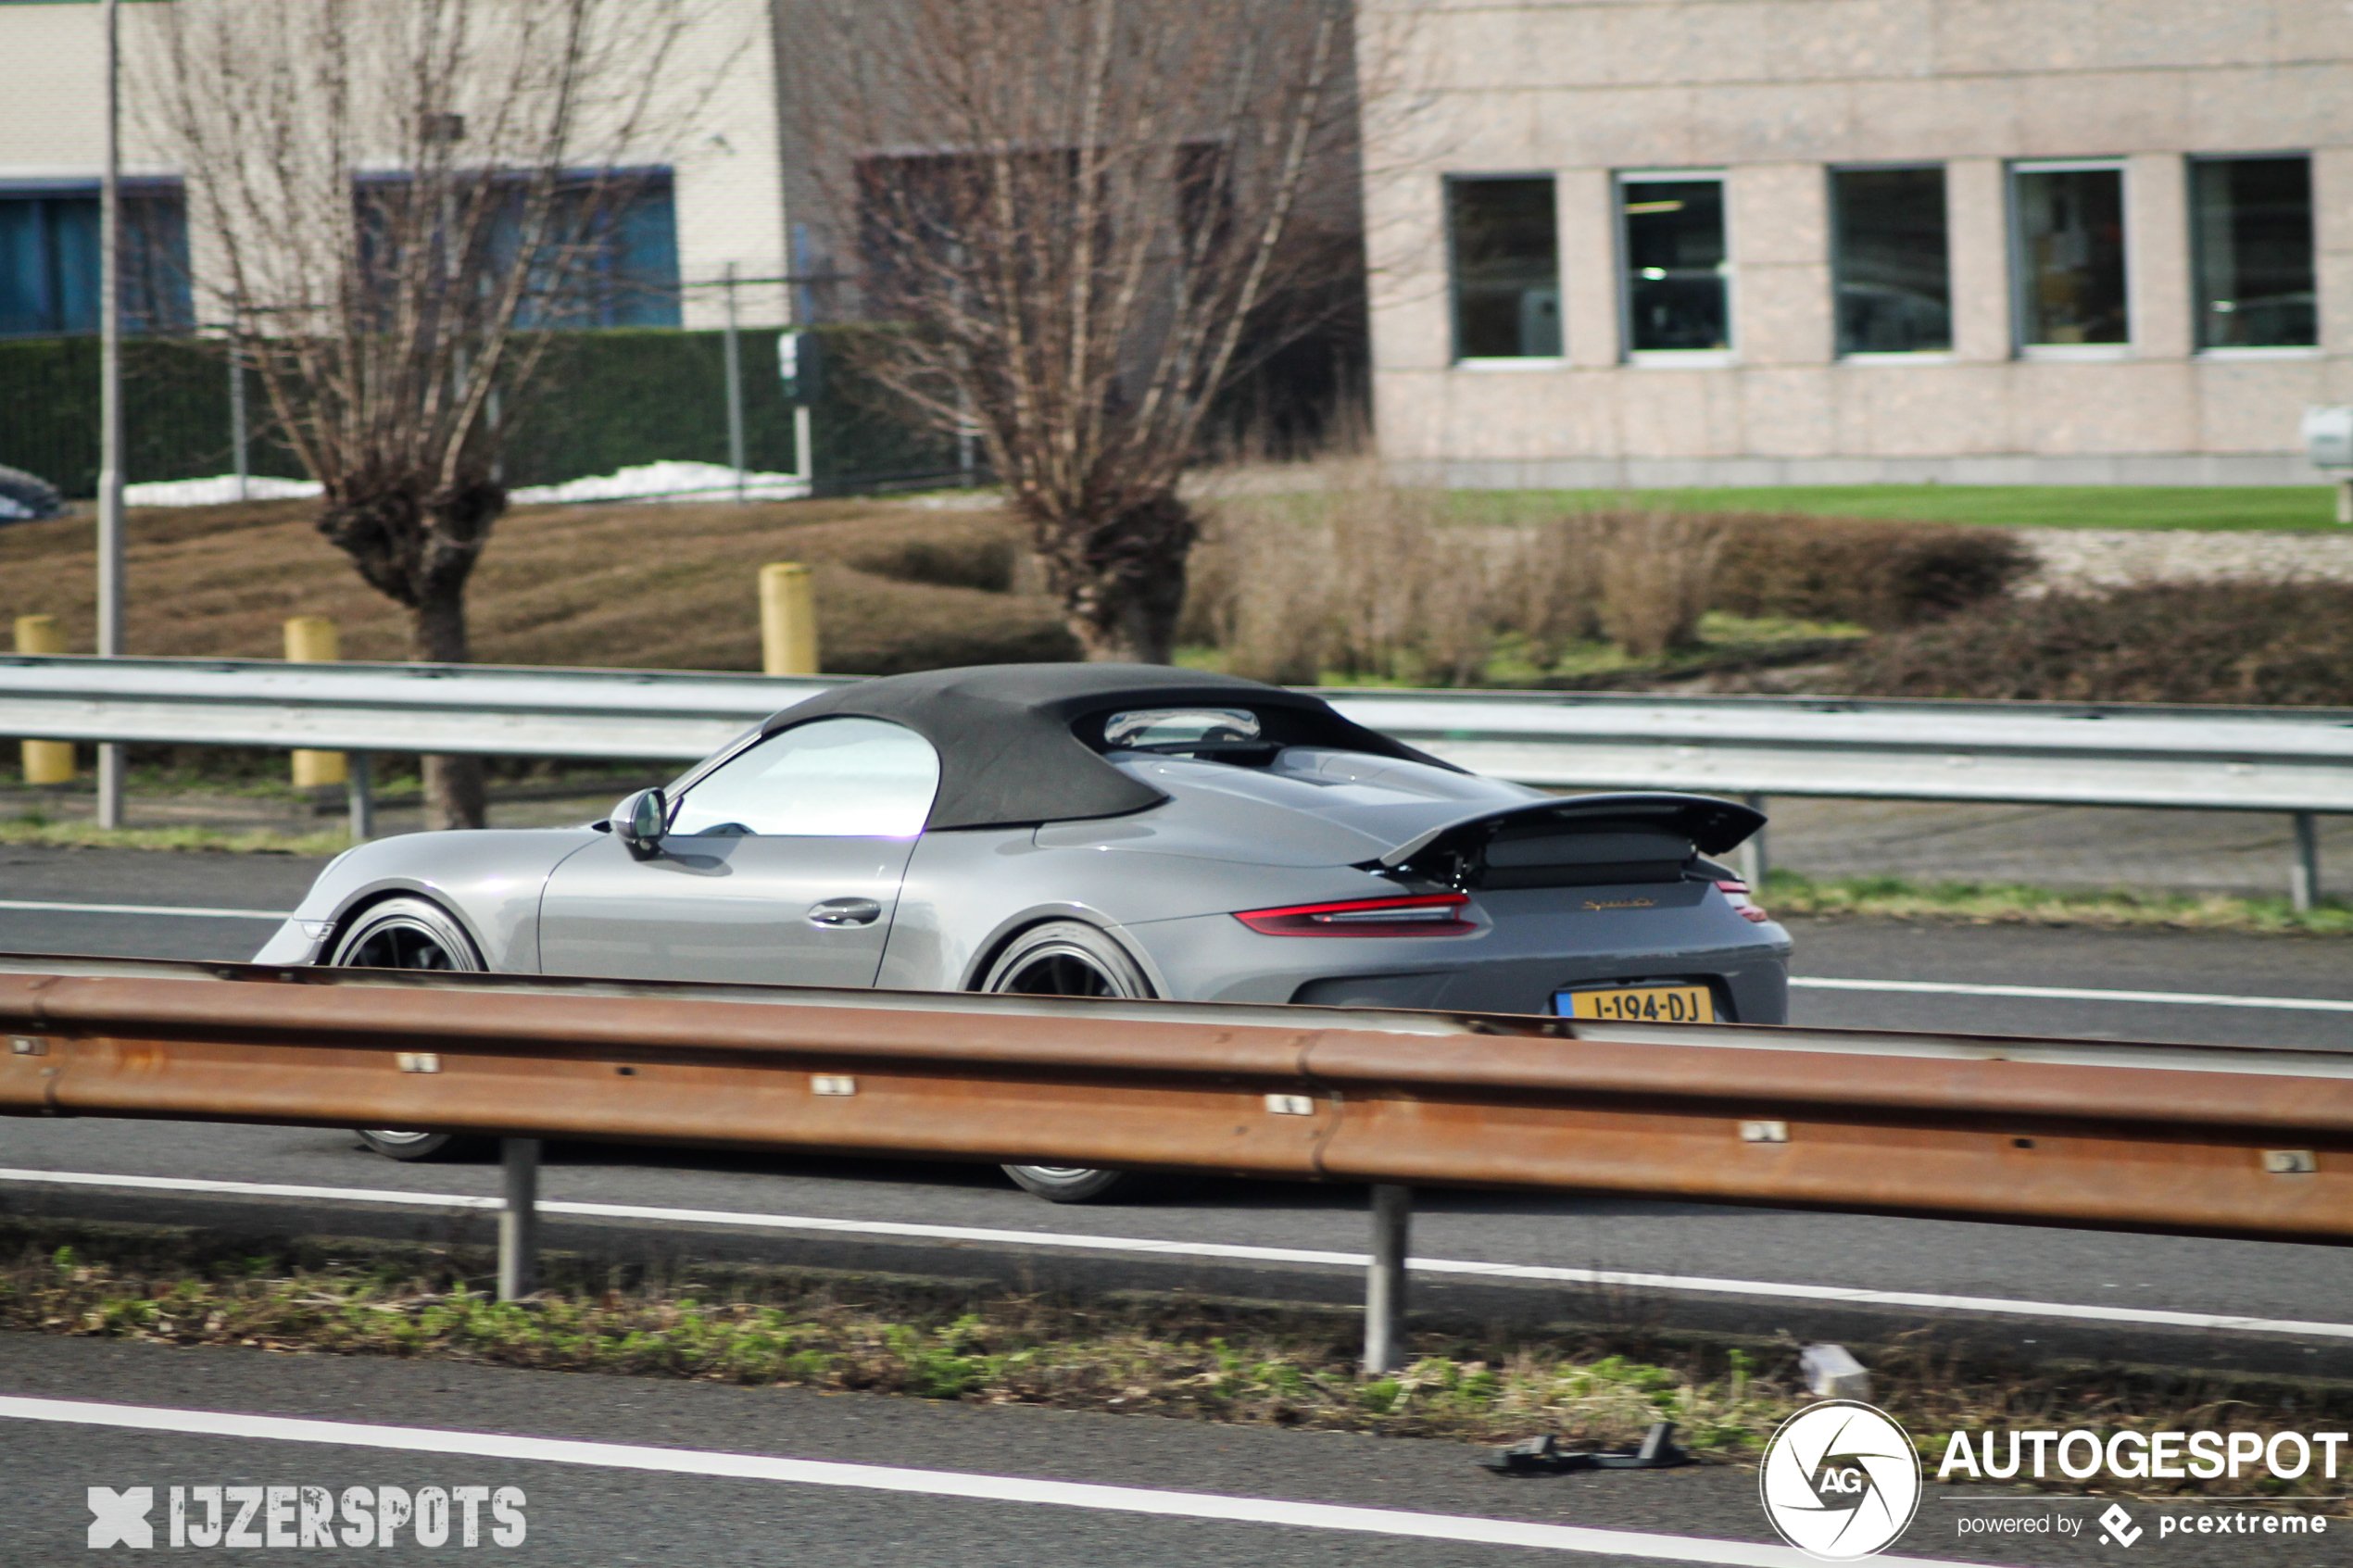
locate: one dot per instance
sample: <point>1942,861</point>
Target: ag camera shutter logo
<point>1841,1480</point>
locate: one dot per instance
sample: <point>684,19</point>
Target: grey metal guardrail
<point>2298,761</point>
<point>492,711</point>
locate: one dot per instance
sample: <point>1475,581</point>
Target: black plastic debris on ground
<point>1544,1456</point>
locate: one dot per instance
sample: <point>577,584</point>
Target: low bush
<point>2269,643</point>
<point>1361,578</point>
<point>1367,579</point>
<point>1883,576</point>
<point>1658,576</point>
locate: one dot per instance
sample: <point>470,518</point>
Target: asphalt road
<point>678,1505</point>
<point>2069,1292</point>
<point>2101,1280</point>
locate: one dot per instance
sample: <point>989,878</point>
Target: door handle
<point>845,912</point>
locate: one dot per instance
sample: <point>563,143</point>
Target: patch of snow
<point>648,481</point>
<point>213,492</point>
<point>664,481</point>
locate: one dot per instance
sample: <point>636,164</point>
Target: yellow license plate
<point>1646,1004</point>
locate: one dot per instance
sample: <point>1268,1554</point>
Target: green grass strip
<point>2278,508</point>
<point>1989,903</point>
<point>88,836</point>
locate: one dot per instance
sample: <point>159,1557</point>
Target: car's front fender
<point>489,880</point>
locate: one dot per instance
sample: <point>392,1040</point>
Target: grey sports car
<point>1085,829</point>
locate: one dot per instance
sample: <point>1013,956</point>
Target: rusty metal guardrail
<point>2227,1141</point>
<point>2180,1139</point>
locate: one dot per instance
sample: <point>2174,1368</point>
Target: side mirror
<point>640,821</point>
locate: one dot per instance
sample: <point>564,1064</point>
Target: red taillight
<point>1736,895</point>
<point>1426,914</point>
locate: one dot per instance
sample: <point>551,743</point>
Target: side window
<point>829,778</point>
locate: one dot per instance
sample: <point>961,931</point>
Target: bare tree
<point>1077,221</point>
<point>394,203</point>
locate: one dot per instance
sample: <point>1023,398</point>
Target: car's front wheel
<point>410,933</point>
<point>1067,957</point>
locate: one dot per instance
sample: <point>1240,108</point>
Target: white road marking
<point>35,904</point>
<point>1844,1295</point>
<point>927,1482</point>
<point>2070,993</point>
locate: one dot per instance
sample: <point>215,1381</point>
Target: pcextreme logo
<point>1840,1481</point>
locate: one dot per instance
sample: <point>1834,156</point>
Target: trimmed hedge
<point>606,400</point>
<point>2273,643</point>
<point>1882,575</point>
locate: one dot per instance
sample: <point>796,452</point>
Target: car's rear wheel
<point>1069,958</point>
<point>410,933</point>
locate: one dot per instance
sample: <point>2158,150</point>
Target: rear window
<point>1180,729</point>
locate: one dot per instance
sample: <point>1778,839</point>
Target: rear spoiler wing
<point>1712,825</point>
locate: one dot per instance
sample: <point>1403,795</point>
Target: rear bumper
<point>1510,969</point>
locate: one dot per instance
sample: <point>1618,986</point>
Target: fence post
<point>735,390</point>
<point>788,620</point>
<point>1385,1281</point>
<point>1751,860</point>
<point>311,639</point>
<point>45,761</point>
<point>239,438</point>
<point>2303,871</point>
<point>518,1221</point>
<point>359,796</point>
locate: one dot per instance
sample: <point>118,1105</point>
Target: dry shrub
<point>1883,576</point>
<point>1551,584</point>
<point>1363,577</point>
<point>1658,576</point>
<point>2273,643</point>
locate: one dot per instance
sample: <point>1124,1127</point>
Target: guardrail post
<point>45,761</point>
<point>1751,860</point>
<point>360,792</point>
<point>2304,873</point>
<point>518,1221</point>
<point>1385,1281</point>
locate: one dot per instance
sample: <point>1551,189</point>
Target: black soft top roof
<point>1010,735</point>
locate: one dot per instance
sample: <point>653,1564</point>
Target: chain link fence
<point>606,400</point>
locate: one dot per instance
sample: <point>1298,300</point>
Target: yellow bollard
<point>788,620</point>
<point>45,761</point>
<point>310,639</point>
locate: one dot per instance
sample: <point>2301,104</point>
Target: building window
<point>2069,222</point>
<point>1675,264</point>
<point>1893,280</point>
<point>610,259</point>
<point>1505,250</point>
<point>2252,220</point>
<point>49,260</point>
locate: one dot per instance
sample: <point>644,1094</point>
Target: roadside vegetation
<point>35,828</point>
<point>2223,507</point>
<point>1985,903</point>
<point>1602,1381</point>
